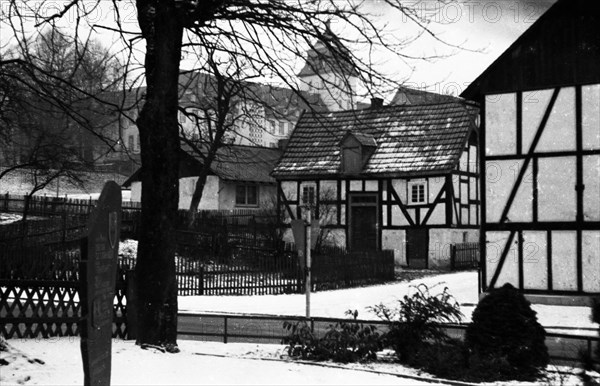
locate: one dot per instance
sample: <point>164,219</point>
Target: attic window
<point>352,159</point>
<point>417,192</point>
<point>356,149</point>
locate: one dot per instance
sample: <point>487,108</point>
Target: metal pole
<point>308,264</point>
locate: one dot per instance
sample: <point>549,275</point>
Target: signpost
<point>98,273</point>
<point>305,241</point>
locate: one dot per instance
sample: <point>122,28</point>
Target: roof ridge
<point>457,101</point>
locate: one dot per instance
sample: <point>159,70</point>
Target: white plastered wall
<point>440,243</point>
<point>395,240</point>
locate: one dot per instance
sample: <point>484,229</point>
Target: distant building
<point>261,114</point>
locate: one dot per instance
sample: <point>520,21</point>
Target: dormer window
<point>356,148</point>
<point>352,160</point>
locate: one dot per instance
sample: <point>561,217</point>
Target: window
<point>281,128</point>
<point>139,144</point>
<point>130,142</point>
<point>417,192</point>
<point>246,195</point>
<point>308,195</point>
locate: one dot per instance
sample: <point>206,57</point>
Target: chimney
<point>376,103</point>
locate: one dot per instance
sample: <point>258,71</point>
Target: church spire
<point>329,71</point>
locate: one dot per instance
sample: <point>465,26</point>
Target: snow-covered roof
<point>411,140</point>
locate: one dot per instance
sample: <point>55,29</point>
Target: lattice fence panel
<point>31,309</point>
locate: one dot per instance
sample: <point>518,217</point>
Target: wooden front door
<point>363,223</point>
<point>417,247</point>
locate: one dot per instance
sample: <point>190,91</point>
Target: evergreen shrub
<point>504,329</point>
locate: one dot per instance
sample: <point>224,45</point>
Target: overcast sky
<point>484,28</point>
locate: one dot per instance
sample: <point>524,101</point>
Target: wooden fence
<point>43,231</point>
<point>337,268</point>
<point>39,292</point>
<point>226,263</point>
<point>47,206</point>
<point>250,270</point>
<point>464,256</point>
<point>244,226</point>
<point>224,253</point>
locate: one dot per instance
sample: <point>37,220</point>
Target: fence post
<point>224,242</point>
<point>253,223</point>
<point>201,280</point>
<point>45,210</point>
<point>225,329</point>
<point>453,257</point>
<point>64,227</point>
<point>132,303</point>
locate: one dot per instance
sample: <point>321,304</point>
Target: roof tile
<point>410,138</point>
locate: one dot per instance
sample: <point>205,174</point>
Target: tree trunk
<point>197,197</point>
<point>199,188</point>
<point>159,137</point>
<point>208,160</point>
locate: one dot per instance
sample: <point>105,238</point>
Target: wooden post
<point>308,265</point>
<point>254,230</point>
<point>201,280</point>
<point>64,227</point>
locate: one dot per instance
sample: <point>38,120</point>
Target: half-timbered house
<point>540,101</point>
<point>400,178</point>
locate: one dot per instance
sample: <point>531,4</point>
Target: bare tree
<point>50,123</point>
<point>213,118</point>
<point>229,108</point>
<point>268,37</point>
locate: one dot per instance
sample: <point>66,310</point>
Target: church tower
<point>331,76</point>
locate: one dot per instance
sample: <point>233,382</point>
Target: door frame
<point>426,232</point>
<point>350,204</point>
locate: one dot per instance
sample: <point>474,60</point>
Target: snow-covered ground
<point>58,362</point>
<point>199,363</point>
<point>7,218</point>
<point>462,285</point>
